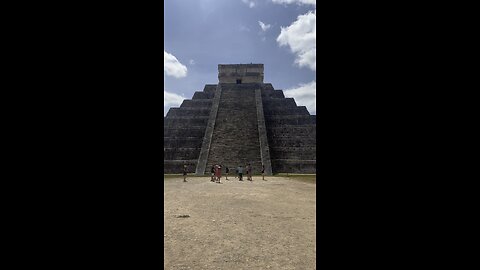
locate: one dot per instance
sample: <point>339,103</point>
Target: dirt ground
<point>239,225</point>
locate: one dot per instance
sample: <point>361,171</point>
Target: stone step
<point>268,102</point>
<point>294,149</point>
<point>210,89</point>
<point>189,111</point>
<point>186,121</point>
<point>196,103</point>
<point>292,142</point>
<point>292,129</point>
<point>243,86</point>
<point>191,131</point>
<point>286,116</point>
<point>185,142</point>
<point>308,153</point>
<point>272,94</point>
<point>235,136</point>
<point>281,120</point>
<point>294,166</point>
<point>195,108</point>
<point>299,110</point>
<point>202,95</point>
<point>268,86</point>
<point>186,117</point>
<point>176,166</point>
<point>181,153</point>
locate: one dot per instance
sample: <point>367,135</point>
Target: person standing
<point>263,172</point>
<point>249,172</point>
<point>184,173</point>
<point>218,173</point>
<point>240,173</point>
<point>212,171</point>
<point>226,173</point>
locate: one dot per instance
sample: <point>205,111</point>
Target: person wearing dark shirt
<point>263,172</point>
<point>184,173</point>
<point>213,173</point>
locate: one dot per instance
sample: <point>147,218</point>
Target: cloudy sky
<point>200,34</point>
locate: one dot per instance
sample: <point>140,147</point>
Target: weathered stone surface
<point>184,130</point>
<point>191,131</point>
<point>235,139</point>
<point>196,103</point>
<point>278,120</point>
<point>200,95</point>
<point>233,124</point>
<point>178,142</point>
<point>291,132</point>
<point>183,153</point>
<point>185,121</point>
<point>189,111</point>
<point>262,134</point>
<point>294,166</point>
<point>207,138</point>
<point>249,73</point>
<point>300,110</point>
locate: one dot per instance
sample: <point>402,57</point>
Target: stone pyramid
<point>238,121</point>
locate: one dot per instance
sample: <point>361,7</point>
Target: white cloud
<point>250,4</point>
<point>264,27</point>
<point>298,2</point>
<point>304,95</point>
<point>301,36</point>
<point>172,66</point>
<point>171,100</point>
<point>192,62</point>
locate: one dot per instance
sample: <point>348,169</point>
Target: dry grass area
<point>240,225</point>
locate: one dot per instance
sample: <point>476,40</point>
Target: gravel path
<point>239,225</point>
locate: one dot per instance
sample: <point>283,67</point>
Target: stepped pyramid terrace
<point>240,120</point>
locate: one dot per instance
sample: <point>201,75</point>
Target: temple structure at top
<point>239,121</point>
<point>240,73</point>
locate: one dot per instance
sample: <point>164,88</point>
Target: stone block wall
<point>235,139</point>
<point>184,129</point>
<point>291,133</point>
<point>247,73</point>
<point>222,124</point>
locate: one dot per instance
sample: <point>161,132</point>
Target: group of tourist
<point>216,173</point>
<point>248,171</point>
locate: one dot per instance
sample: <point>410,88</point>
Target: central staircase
<point>235,138</point>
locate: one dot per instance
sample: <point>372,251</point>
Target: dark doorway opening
<point>239,81</point>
